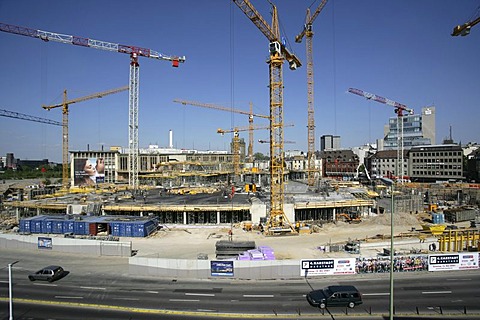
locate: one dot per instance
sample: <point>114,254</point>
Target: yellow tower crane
<point>64,105</point>
<point>277,221</point>
<point>308,33</point>
<point>250,115</point>
<point>236,142</point>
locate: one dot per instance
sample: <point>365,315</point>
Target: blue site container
<point>57,226</point>
<point>438,218</point>
<point>25,226</point>
<point>138,229</point>
<point>46,226</point>
<point>118,229</point>
<point>81,228</point>
<point>68,226</point>
<point>36,226</point>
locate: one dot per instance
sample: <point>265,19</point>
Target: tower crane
<point>308,33</point>
<point>236,142</point>
<point>399,110</point>
<point>250,115</point>
<point>133,96</point>
<point>277,220</point>
<point>464,29</point>
<point>64,105</point>
<point>22,116</point>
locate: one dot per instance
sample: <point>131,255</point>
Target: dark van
<point>335,296</point>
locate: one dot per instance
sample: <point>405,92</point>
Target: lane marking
<point>69,297</point>
<point>200,294</point>
<point>435,292</point>
<point>206,310</point>
<point>45,284</point>
<point>258,296</point>
<point>184,300</point>
<point>127,299</point>
<point>376,294</point>
<point>151,291</point>
<point>93,288</point>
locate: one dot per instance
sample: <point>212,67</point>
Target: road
<point>102,288</point>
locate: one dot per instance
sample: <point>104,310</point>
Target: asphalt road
<point>102,288</point>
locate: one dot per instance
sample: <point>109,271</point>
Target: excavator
<point>347,217</point>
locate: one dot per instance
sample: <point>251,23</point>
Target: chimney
<point>170,145</point>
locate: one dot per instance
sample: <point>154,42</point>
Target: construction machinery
<point>22,116</point>
<point>135,53</point>
<point>399,110</point>
<point>64,105</point>
<point>250,115</point>
<point>350,218</point>
<point>277,221</point>
<point>308,33</point>
<point>464,29</point>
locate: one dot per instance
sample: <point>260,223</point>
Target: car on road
<point>335,296</point>
<point>50,273</point>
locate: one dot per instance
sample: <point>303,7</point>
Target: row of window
<point>423,160</point>
<point>437,173</point>
<point>437,154</point>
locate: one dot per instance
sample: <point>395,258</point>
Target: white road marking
<point>127,299</point>
<point>184,300</point>
<point>200,294</point>
<point>45,284</point>
<point>68,297</point>
<point>258,296</point>
<point>376,294</point>
<point>435,292</point>
<point>205,310</point>
<point>151,291</point>
<point>93,288</point>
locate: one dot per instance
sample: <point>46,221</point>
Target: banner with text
<point>331,266</point>
<point>454,261</point>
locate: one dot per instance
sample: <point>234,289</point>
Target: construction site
<point>228,190</point>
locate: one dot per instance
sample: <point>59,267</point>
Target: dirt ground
<point>182,242</point>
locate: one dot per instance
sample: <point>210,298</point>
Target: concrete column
<point>184,217</point>
<point>218,217</point>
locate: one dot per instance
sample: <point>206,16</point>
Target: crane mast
<point>65,136</point>
<point>308,33</point>
<point>399,110</point>
<point>250,114</point>
<point>277,220</point>
<point>134,52</point>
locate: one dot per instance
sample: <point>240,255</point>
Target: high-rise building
<point>418,130</point>
<point>329,142</point>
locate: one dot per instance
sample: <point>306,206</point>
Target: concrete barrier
<point>81,246</point>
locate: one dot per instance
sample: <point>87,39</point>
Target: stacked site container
<point>87,225</point>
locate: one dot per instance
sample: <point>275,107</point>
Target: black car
<point>50,273</point>
<point>335,296</point>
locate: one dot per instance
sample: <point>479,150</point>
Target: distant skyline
<point>401,50</point>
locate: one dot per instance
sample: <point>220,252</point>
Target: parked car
<point>50,273</point>
<point>335,296</point>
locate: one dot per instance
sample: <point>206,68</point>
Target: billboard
<point>221,268</point>
<point>44,243</point>
<point>454,261</point>
<point>327,266</point>
<point>88,171</point>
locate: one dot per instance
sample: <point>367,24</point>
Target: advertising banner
<point>455,261</point>
<point>44,243</point>
<point>88,171</point>
<point>221,268</point>
<point>331,266</point>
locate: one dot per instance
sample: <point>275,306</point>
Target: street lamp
<point>389,183</point>
<point>10,298</point>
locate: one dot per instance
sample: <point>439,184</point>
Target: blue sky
<point>401,50</point>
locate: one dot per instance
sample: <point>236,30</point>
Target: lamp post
<point>389,183</point>
<point>10,298</point>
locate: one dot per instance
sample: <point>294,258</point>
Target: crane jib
<point>86,42</point>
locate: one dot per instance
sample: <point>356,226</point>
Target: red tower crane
<point>399,110</point>
<point>133,95</point>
